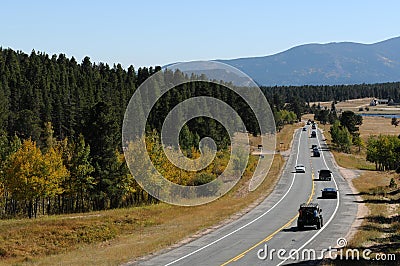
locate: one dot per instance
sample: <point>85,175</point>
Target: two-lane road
<point>272,224</point>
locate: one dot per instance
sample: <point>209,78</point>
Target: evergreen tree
<point>100,132</point>
<point>351,120</point>
<point>81,171</point>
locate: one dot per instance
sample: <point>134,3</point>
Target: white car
<point>300,168</point>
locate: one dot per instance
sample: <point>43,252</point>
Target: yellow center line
<point>241,255</point>
<point>269,237</point>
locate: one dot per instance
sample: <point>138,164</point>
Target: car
<point>313,146</point>
<point>329,193</point>
<point>316,152</point>
<point>309,215</point>
<point>325,175</point>
<point>300,168</point>
<point>304,129</point>
<point>313,126</point>
<point>313,134</point>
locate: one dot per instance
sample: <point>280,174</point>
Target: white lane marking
<point>249,223</point>
<point>326,224</point>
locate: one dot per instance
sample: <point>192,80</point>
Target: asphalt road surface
<point>256,237</point>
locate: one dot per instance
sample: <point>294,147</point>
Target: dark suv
<point>309,215</point>
<point>316,152</point>
<point>313,134</point>
<point>329,193</point>
<point>325,175</point>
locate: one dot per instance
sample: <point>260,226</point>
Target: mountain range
<point>325,64</point>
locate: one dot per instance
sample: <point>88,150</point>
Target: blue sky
<point>145,33</point>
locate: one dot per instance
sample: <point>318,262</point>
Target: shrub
<point>393,183</point>
<point>204,178</point>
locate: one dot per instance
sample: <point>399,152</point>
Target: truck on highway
<point>309,215</point>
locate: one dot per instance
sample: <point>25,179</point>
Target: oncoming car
<point>300,168</point>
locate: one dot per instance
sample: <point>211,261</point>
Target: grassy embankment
<point>116,236</point>
<point>380,227</point>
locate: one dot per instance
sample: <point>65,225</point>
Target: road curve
<point>272,224</point>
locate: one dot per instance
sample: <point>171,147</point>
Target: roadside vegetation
<point>116,236</point>
<point>376,155</point>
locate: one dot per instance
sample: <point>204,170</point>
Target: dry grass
<point>355,105</point>
<point>376,126</point>
<point>373,181</point>
<point>351,105</point>
<point>285,136</point>
<point>353,161</point>
<point>283,140</point>
<point>116,236</point>
<point>380,230</point>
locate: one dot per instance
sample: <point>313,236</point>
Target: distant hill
<point>326,64</point>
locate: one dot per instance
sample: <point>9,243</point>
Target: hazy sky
<point>144,33</point>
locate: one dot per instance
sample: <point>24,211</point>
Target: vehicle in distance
<point>300,168</point>
<point>313,146</point>
<point>309,215</point>
<point>316,152</point>
<point>325,175</point>
<point>313,134</point>
<point>329,193</point>
<point>313,126</point>
<point>304,129</point>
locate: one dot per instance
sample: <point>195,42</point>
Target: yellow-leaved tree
<point>31,175</point>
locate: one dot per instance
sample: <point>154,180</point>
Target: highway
<point>272,225</point>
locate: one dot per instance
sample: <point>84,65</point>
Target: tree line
<point>323,93</point>
<point>384,151</point>
<point>55,110</point>
<point>61,123</point>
